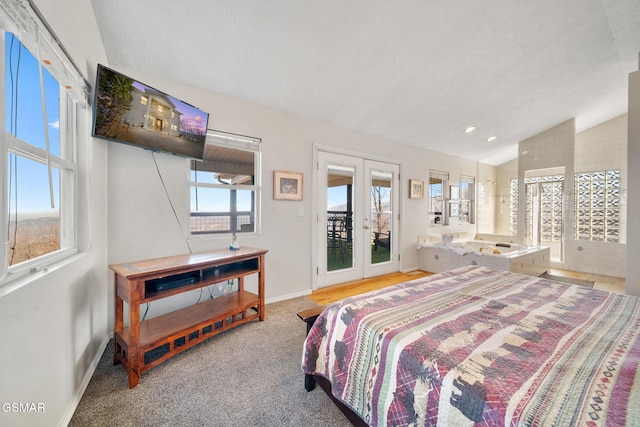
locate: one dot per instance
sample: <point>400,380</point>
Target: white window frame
<point>27,25</point>
<point>238,142</point>
<point>471,182</point>
<point>442,199</point>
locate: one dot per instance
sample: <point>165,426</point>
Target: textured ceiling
<point>416,72</point>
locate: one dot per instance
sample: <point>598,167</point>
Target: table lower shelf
<point>165,336</point>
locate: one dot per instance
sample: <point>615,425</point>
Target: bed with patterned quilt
<point>481,347</point>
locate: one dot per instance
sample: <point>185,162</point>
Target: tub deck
<point>438,257</point>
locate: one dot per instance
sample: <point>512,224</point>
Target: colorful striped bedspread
<point>476,346</point>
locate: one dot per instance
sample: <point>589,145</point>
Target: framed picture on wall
<point>287,185</point>
<point>416,189</point>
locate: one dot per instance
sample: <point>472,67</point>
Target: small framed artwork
<point>416,189</point>
<point>287,185</point>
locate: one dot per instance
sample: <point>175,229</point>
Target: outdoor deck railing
<point>221,222</point>
<point>226,222</point>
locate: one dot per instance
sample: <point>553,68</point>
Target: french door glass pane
<point>381,216</point>
<point>340,250</point>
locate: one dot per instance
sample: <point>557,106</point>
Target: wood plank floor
<point>605,283</point>
<point>335,293</point>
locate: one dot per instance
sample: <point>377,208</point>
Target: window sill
<point>17,280</point>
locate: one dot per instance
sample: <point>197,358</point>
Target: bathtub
<point>440,256</point>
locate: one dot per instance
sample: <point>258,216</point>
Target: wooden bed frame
<point>326,386</point>
<point>309,317</point>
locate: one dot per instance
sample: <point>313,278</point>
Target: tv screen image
<point>131,112</point>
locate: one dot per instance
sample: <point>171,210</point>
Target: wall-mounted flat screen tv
<point>131,112</point>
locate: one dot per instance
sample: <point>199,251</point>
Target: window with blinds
<point>43,96</point>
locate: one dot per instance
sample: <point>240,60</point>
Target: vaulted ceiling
<point>413,71</point>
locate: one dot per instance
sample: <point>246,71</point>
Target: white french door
<point>357,218</point>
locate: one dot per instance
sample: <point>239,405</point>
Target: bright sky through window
<point>24,119</point>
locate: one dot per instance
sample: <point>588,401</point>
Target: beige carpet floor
<point>247,376</point>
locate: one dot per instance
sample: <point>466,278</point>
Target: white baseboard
<point>288,296</point>
<point>85,382</point>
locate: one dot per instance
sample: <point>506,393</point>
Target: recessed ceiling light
<point>492,138</point>
<point>470,129</point>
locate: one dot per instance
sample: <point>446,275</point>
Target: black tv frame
<point>146,117</point>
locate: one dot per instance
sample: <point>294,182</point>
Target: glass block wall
<point>597,198</point>
<point>513,228</point>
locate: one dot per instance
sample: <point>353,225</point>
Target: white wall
<point>497,180</point>
<point>54,325</point>
<point>506,172</point>
<point>487,199</point>
<point>633,197</point>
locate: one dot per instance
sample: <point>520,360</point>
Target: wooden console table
<point>141,345</point>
